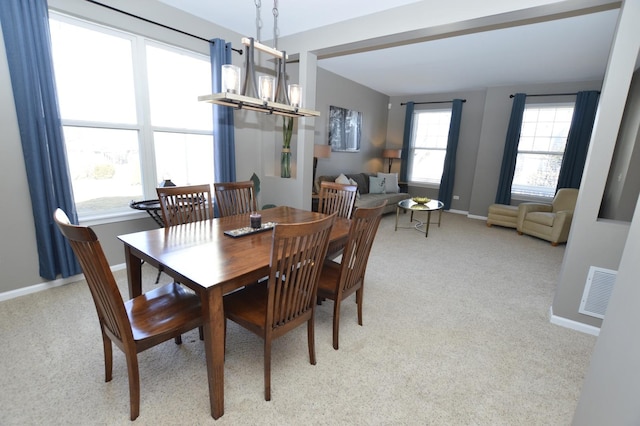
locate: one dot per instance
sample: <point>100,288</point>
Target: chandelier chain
<point>276,31</point>
<point>258,4</point>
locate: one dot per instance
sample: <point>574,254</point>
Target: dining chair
<point>137,324</point>
<point>235,197</point>
<point>287,299</point>
<point>340,280</point>
<point>185,204</point>
<point>337,198</point>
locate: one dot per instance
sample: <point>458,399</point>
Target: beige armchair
<point>550,222</point>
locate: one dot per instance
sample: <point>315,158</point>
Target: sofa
<point>367,198</point>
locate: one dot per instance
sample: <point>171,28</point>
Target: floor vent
<point>597,292</point>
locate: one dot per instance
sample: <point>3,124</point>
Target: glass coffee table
<point>412,206</point>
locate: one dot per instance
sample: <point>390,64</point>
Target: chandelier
<point>270,95</point>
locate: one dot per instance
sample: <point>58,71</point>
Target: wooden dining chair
<point>340,280</point>
<point>137,324</point>
<point>337,198</point>
<point>185,204</point>
<point>287,300</point>
<point>235,197</point>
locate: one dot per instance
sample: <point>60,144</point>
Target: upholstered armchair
<point>550,222</point>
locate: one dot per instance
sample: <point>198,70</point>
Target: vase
<point>285,163</point>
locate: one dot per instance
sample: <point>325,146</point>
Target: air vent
<point>597,292</point>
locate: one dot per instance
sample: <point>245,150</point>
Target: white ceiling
<point>569,49</point>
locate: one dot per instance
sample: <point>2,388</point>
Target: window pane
<point>536,174</point>
<point>427,165</point>
<point>428,145</point>
<point>94,74</point>
<point>185,159</point>
<point>543,138</point>
<point>105,169</point>
<point>175,82</point>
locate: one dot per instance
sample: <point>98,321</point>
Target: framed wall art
<point>345,128</point>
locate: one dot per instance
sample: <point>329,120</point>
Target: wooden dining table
<point>200,256</point>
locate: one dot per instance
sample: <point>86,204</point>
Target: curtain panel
<point>25,27</point>
<point>224,149</point>
<point>406,141</point>
<point>508,168</point>
<point>449,171</point>
<point>575,154</point>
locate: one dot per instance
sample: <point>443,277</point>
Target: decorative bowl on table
<point>421,200</point>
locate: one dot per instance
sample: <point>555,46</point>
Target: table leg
<point>213,317</point>
<point>426,233</point>
<point>134,272</point>
<point>439,217</point>
<point>397,215</point>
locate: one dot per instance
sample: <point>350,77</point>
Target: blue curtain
<point>575,154</point>
<point>406,141</point>
<point>503,195</point>
<point>224,148</point>
<point>25,27</point>
<point>449,172</point>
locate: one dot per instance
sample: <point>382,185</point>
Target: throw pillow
<point>391,182</point>
<point>342,179</point>
<point>376,185</point>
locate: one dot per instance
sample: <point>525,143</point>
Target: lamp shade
<point>321,151</point>
<point>392,153</point>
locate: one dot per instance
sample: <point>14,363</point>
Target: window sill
<point>112,218</point>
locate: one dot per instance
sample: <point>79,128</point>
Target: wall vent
<point>597,292</point>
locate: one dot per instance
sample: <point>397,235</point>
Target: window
<point>429,138</point>
<point>130,114</point>
<point>543,138</point>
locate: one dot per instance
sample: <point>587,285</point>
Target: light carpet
<point>456,332</point>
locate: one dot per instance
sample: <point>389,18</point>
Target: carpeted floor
<point>456,332</point>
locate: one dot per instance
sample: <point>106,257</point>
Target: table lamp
<point>319,151</point>
<point>390,154</point>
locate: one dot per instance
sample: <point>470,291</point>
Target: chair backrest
<point>97,273</point>
<point>565,199</point>
<point>235,197</point>
<point>362,232</point>
<point>297,253</point>
<point>337,198</point>
<point>185,204</point>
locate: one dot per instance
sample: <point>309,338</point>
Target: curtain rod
<point>155,23</point>
<point>548,94</point>
<point>435,102</point>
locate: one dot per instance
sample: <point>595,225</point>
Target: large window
<point>543,138</point>
<point>130,114</point>
<point>429,138</point>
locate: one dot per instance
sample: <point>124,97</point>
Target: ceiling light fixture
<point>269,96</point>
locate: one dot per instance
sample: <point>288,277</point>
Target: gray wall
<point>337,91</point>
<point>621,192</point>
<point>611,386</point>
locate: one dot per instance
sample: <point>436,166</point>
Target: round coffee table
<point>412,206</point>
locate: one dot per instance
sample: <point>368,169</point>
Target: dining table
<point>201,256</point>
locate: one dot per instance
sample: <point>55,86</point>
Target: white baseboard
<point>12,294</point>
<point>474,216</point>
<point>458,211</point>
<point>574,325</point>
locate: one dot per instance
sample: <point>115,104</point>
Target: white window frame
<point>520,192</point>
<point>433,182</point>
<point>143,112</point>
